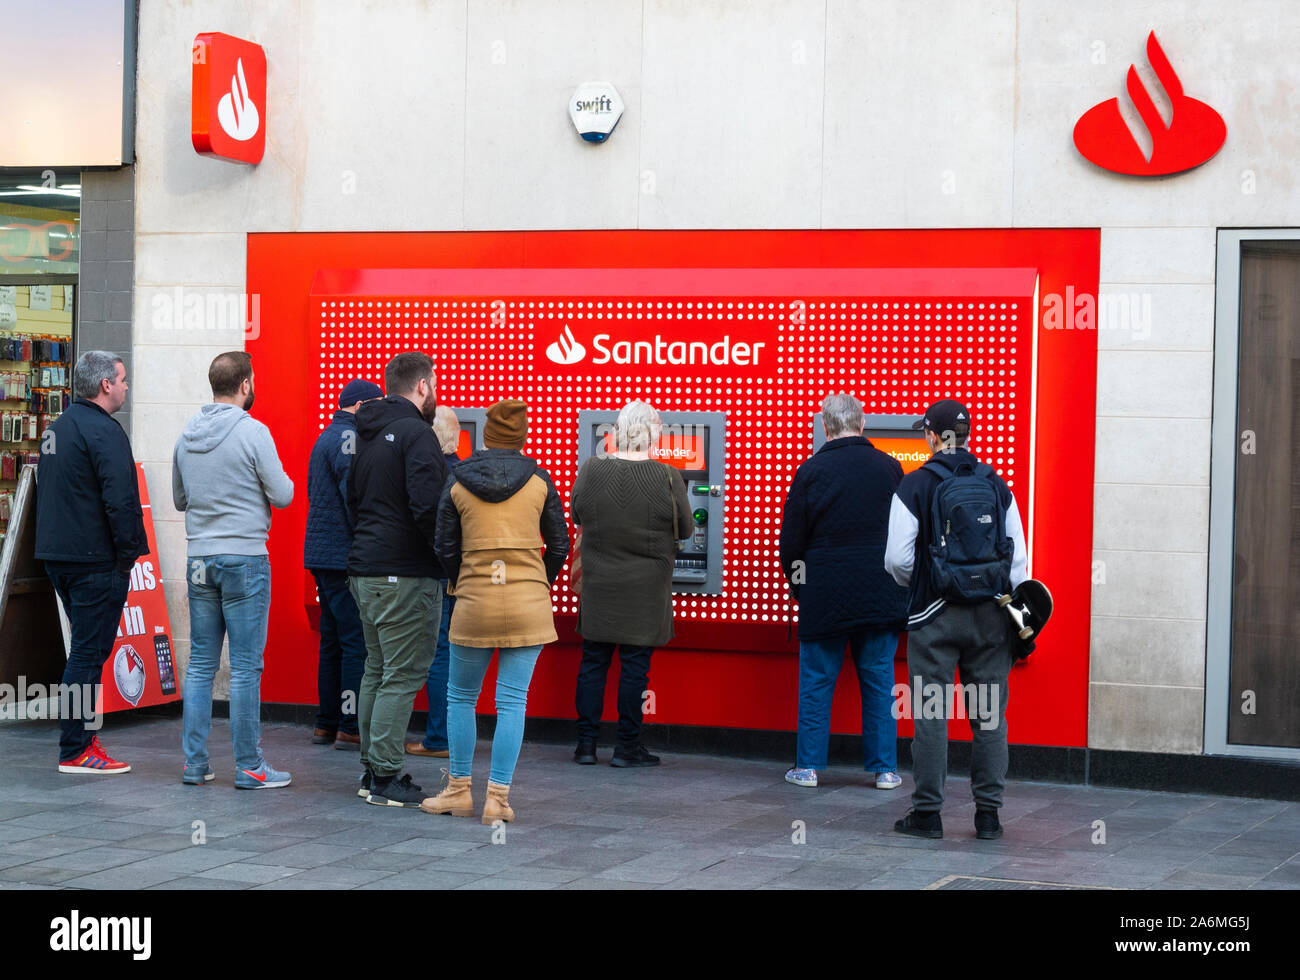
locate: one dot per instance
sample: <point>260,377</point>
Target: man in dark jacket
<point>325,555</point>
<point>971,638</point>
<point>393,490</point>
<point>833,533</point>
<point>89,532</point>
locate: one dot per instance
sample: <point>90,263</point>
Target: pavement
<point>697,821</point>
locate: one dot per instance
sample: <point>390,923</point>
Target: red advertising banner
<point>141,670</point>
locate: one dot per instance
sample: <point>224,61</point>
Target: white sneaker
<point>888,780</point>
<point>802,777</point>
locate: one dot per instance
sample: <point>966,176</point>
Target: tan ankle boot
<point>454,799</point>
<point>497,806</point>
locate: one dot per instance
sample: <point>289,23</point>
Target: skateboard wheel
<point>1027,632</point>
<point>1003,600</point>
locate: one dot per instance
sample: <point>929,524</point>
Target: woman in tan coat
<point>497,511</point>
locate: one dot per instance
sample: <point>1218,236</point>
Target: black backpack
<point>970,552</point>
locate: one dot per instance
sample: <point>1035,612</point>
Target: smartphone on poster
<point>166,666</point>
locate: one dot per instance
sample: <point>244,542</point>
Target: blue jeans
<point>342,653</point>
<point>514,673</point>
<point>435,730</point>
<point>819,668</point>
<point>229,595</point>
<point>93,601</point>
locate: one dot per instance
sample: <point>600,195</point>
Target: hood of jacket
<point>373,416</point>
<point>494,475</point>
<point>208,430</point>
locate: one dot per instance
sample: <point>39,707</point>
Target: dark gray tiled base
<point>697,821</point>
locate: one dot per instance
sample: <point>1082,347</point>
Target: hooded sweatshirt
<point>226,477</point>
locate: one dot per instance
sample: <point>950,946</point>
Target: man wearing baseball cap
<point>955,541</point>
<point>325,554</point>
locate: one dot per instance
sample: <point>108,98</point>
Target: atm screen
<point>911,451</point>
<point>686,452</point>
<point>465,444</point>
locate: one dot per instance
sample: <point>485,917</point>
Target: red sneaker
<point>94,760</point>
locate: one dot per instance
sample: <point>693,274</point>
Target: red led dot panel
<point>764,346</point>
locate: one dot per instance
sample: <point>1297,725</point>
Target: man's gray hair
<point>842,416</point>
<point>93,367</point>
<point>635,429</point>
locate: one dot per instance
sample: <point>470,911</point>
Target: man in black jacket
<point>833,532</point>
<point>89,532</point>
<point>972,638</point>
<point>325,554</point>
<point>393,490</point>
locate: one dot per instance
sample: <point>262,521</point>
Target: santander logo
<point>657,351</point>
<point>236,111</point>
<point>566,350</point>
<point>1195,132</point>
<point>228,112</point>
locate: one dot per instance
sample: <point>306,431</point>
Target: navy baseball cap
<point>943,416</point>
<point>358,390</point>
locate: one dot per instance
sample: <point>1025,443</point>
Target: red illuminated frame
<point>744,678</point>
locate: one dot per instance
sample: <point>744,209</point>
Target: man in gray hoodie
<point>226,477</point>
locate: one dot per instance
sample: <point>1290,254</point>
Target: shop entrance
<point>1253,668</point>
<point>39,255</point>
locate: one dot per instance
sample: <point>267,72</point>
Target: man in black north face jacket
<point>393,490</point>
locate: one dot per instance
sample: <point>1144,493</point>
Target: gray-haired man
<point>89,532</point>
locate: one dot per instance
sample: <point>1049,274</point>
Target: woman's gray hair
<point>93,367</point>
<point>637,428</point>
<point>842,416</point>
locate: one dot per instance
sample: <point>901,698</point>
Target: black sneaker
<point>585,753</point>
<point>987,825</point>
<point>395,792</point>
<point>920,825</point>
<point>633,758</point>
<point>364,791</point>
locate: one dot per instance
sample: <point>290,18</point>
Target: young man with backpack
<point>956,542</point>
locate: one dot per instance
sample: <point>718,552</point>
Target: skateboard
<point>1030,607</point>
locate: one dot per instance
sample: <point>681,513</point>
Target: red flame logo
<point>1194,134</point>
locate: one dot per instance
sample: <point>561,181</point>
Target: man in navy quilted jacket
<point>833,533</point>
<point>325,555</point>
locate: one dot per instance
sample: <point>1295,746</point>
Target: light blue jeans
<point>465,681</point>
<point>229,595</point>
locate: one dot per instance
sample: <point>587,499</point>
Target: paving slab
<point>697,821</point>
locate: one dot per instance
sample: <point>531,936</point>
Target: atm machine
<point>472,423</point>
<point>694,443</point>
<point>892,434</point>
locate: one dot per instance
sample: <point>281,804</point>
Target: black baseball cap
<point>943,416</point>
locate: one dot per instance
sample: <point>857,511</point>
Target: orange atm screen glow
<point>909,451</point>
<point>680,451</point>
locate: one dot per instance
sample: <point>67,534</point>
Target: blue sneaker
<point>888,780</point>
<point>802,777</point>
<point>198,775</point>
<point>263,777</point>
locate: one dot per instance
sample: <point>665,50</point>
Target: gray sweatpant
<point>976,641</point>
